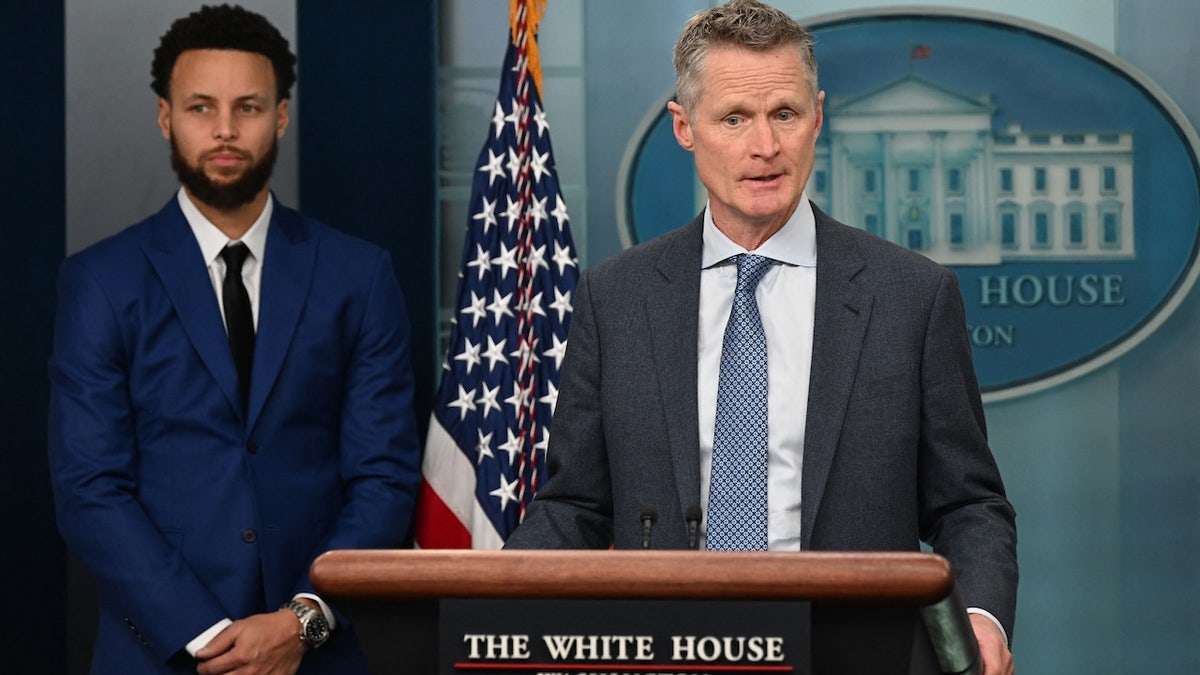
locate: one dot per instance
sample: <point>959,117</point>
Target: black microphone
<point>693,525</point>
<point>649,515</point>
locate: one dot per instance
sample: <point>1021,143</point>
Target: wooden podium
<point>870,612</point>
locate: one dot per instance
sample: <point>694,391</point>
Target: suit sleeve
<point>965,515</point>
<point>93,458</point>
<point>379,448</point>
<point>573,510</point>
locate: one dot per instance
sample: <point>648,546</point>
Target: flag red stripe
<point>436,524</point>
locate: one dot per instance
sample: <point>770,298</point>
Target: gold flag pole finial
<point>523,18</point>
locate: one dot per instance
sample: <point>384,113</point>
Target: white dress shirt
<point>212,241</point>
<point>786,298</point>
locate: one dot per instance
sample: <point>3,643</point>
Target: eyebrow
<point>200,96</point>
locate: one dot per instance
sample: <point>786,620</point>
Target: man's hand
<point>993,651</point>
<point>263,644</point>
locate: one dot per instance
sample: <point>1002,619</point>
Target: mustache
<point>228,150</point>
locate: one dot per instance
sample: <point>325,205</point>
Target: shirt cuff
<point>984,612</point>
<point>202,640</point>
<point>329,617</point>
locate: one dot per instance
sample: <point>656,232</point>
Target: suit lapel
<point>173,252</point>
<point>286,279</point>
<point>672,308</point>
<point>843,311</point>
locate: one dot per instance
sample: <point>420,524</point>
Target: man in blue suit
<point>212,433</point>
<point>855,422</point>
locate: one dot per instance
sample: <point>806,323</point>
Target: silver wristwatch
<point>314,629</point>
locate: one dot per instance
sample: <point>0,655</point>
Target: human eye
<point>785,116</point>
<point>732,120</point>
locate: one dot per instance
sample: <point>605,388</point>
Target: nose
<point>763,140</point>
<point>225,129</point>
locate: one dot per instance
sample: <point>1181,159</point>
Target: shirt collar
<point>794,244</point>
<point>212,240</point>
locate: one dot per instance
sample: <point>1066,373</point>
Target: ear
<point>164,118</point>
<point>282,118</point>
<point>681,126</point>
<point>820,111</point>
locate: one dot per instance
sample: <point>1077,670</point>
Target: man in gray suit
<point>869,422</point>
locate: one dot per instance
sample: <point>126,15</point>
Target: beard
<point>225,196</point>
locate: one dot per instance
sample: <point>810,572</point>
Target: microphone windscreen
<point>650,513</point>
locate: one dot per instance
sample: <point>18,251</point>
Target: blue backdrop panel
<point>368,138</point>
<point>32,197</point>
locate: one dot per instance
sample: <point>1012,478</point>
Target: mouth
<point>227,158</point>
<point>764,179</point>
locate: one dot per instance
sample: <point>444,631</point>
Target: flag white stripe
<point>450,474</point>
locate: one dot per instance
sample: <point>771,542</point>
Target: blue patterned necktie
<point>737,495</point>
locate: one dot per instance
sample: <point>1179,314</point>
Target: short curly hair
<point>223,27</point>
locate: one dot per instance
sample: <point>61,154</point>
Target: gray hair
<point>745,24</point>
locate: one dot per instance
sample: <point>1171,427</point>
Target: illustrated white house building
<point>920,165</point>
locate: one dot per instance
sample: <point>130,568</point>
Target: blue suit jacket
<point>185,509</point>
<point>895,448</point>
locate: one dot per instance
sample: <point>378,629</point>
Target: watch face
<point>316,631</point>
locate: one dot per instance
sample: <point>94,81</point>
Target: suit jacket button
<point>249,535</point>
<point>251,447</point>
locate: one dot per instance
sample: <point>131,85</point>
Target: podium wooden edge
<point>899,578</point>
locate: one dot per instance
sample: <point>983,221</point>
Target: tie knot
<point>751,269</point>
<point>234,255</point>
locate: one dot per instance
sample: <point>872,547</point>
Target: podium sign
<point>570,637</point>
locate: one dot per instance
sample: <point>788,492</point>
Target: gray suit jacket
<point>895,450</point>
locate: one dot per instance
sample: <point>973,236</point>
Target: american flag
<point>485,456</point>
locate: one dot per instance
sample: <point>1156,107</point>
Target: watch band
<point>314,629</point>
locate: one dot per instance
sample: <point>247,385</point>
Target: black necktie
<point>239,321</point>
